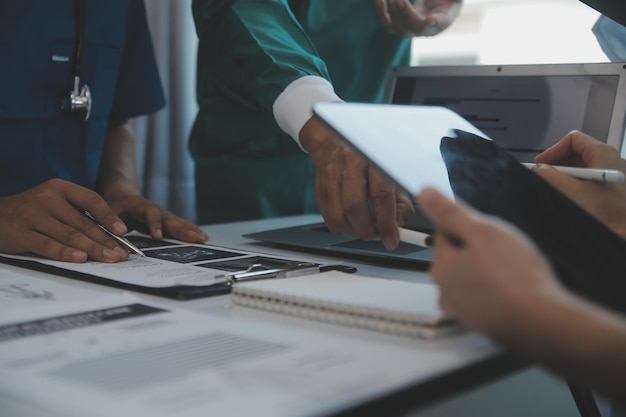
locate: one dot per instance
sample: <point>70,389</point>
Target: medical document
<point>170,268</point>
<point>120,356</point>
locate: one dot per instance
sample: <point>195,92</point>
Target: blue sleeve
<point>138,89</point>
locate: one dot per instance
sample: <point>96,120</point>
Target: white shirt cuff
<point>294,106</point>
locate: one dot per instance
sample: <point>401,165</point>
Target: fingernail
<point>79,256</point>
<point>389,242</point>
<point>121,253</point>
<point>425,198</point>
<point>158,233</point>
<point>119,228</point>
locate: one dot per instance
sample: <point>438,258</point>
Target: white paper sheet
<point>118,356</point>
<point>168,264</point>
<point>23,291</point>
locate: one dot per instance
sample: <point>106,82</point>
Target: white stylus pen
<point>593,174</point>
<point>415,238</point>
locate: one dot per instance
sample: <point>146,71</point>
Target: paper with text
<point>168,263</point>
<point>122,356</point>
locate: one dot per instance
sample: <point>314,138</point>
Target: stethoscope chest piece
<point>79,100</point>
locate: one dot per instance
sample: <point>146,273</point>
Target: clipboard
<point>199,270</point>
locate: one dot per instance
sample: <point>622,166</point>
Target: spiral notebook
<point>391,306</point>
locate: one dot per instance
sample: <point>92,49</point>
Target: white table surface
<point>473,359</point>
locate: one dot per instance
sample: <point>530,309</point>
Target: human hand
<point>145,215</point>
<point>118,184</point>
<point>48,220</point>
<point>423,18</point>
<point>491,276</point>
<point>605,201</point>
<point>345,183</point>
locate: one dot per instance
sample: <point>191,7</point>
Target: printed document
<point>120,356</point>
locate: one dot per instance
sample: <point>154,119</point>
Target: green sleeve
<point>251,50</point>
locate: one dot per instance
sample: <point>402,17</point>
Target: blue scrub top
<point>38,140</point>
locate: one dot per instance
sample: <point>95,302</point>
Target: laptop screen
<point>523,108</point>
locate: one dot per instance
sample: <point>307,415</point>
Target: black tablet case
<point>587,256</point>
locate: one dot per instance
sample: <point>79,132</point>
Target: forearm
<point>577,340</point>
<point>117,175</point>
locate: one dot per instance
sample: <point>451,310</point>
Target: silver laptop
<point>522,108</point>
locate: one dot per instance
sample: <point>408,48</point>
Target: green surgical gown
<point>246,167</point>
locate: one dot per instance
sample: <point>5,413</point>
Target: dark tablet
<point>587,256</point>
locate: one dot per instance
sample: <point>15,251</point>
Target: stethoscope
<point>78,100</point>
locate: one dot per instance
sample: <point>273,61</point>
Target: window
<point>514,32</point>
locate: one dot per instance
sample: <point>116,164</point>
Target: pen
<point>416,238</point>
<point>257,271</point>
<point>593,174</point>
<point>122,241</point>
<point>317,269</point>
